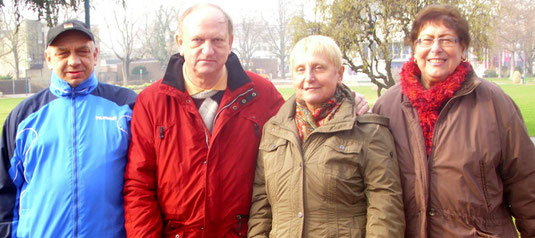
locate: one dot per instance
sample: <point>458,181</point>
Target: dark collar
<point>174,76</point>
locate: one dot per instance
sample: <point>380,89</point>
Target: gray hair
<point>204,5</point>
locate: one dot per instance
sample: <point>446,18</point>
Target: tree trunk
<point>125,72</point>
<point>500,63</point>
<point>17,63</point>
<point>512,64</point>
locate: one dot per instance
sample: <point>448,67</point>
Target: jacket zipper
<point>206,134</point>
<point>440,115</point>
<point>431,156</point>
<point>219,112</point>
<point>228,105</point>
<point>75,165</point>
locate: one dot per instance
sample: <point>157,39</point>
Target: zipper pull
<point>161,132</point>
<point>256,131</point>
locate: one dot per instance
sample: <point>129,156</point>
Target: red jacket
<point>182,180</point>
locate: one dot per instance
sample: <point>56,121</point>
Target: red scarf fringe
<point>430,101</point>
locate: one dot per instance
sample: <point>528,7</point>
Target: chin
<point>313,101</point>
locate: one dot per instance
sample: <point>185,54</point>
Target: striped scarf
<point>308,121</point>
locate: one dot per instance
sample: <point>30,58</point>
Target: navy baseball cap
<point>70,25</point>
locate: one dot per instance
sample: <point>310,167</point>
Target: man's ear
<point>95,55</point>
<point>179,42</point>
<point>230,40</point>
<point>47,58</point>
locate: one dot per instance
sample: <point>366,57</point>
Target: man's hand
<point>362,105</point>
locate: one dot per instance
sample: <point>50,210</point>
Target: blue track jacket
<point>63,154</point>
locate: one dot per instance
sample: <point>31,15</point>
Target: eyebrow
<point>77,48</point>
<point>441,35</point>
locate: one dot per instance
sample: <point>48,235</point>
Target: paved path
<point>533,139</point>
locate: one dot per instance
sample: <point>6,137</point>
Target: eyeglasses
<point>442,42</point>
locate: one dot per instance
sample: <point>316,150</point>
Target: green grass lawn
<point>369,92</point>
<point>523,95</point>
<point>6,105</point>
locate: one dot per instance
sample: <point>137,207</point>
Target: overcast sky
<point>103,11</point>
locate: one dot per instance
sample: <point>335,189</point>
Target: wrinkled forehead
<point>436,26</point>
<point>204,19</point>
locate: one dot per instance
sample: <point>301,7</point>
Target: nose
<point>74,60</point>
<point>208,48</point>
<point>436,46</point>
<point>309,75</point>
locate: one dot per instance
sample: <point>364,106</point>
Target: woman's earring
<point>415,61</point>
<point>464,60</point>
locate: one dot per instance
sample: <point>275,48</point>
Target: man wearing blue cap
<point>63,150</point>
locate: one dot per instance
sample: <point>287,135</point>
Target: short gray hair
<point>204,5</point>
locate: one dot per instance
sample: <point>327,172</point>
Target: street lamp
<point>86,4</point>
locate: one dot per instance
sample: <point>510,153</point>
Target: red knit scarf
<point>430,101</point>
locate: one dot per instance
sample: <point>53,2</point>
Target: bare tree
<point>277,34</point>
<point>510,32</point>
<point>526,25</point>
<point>249,33</point>
<point>124,45</point>
<point>159,41</point>
<point>367,30</point>
<point>12,45</point>
<point>49,10</point>
<point>45,9</point>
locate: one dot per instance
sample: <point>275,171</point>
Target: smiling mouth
<point>436,60</point>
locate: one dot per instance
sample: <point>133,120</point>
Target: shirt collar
<point>221,84</point>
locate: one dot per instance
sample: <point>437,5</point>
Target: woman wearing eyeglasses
<point>467,164</point>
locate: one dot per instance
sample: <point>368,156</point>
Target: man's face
<point>205,44</point>
<point>72,56</point>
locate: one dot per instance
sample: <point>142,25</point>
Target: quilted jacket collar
<point>174,76</point>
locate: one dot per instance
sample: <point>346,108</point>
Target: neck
<point>428,83</point>
<point>312,108</point>
<point>204,81</point>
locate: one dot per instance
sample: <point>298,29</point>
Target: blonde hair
<point>318,44</point>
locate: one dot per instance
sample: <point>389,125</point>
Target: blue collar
<point>60,87</point>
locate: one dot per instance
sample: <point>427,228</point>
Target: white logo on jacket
<point>114,118</point>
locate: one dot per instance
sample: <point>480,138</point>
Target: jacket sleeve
<point>518,168</point>
<point>7,188</point>
<point>260,214</point>
<point>142,215</point>
<point>385,215</point>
